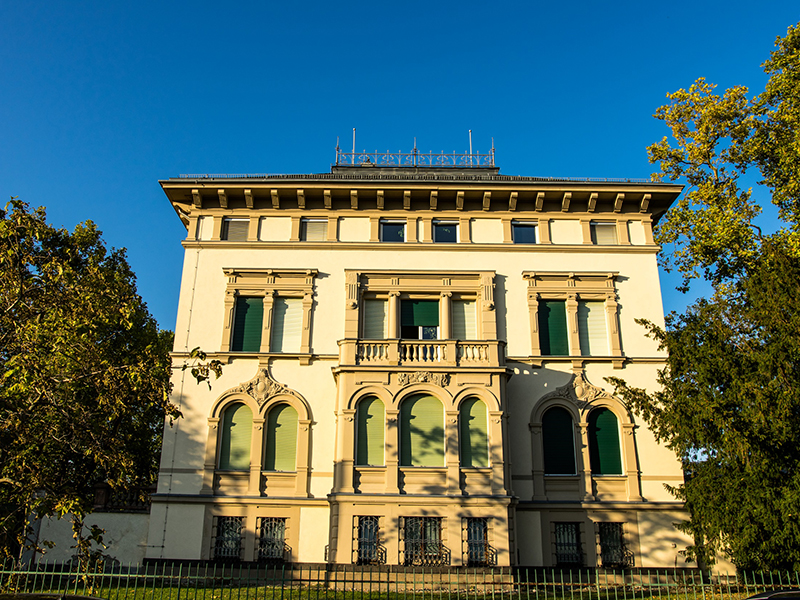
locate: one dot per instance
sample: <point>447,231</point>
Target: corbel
<point>565,201</point>
<point>276,201</point>
<point>196,200</point>
<point>223,198</point>
<point>487,200</point>
<point>618,203</point>
<point>354,199</point>
<point>434,199</point>
<point>460,201</point>
<point>592,201</point>
<point>380,199</point>
<point>512,201</point>
<point>645,203</point>
<point>248,198</point>
<point>301,199</point>
<point>407,200</point>
<point>539,201</point>
<point>326,195</point>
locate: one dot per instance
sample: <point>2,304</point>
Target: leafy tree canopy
<point>729,398</point>
<point>84,372</point>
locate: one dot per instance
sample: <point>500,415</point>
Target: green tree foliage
<point>729,398</point>
<point>84,372</point>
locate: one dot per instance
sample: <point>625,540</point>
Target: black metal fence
<point>344,582</point>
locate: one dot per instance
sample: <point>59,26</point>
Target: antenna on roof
<point>470,146</point>
<point>353,158</point>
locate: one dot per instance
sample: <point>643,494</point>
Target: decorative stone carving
<point>578,391</point>
<point>440,379</point>
<point>263,387</point>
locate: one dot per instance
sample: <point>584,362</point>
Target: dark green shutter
<point>421,432</point>
<point>369,434</point>
<point>237,426</point>
<point>281,439</point>
<point>419,313</point>
<point>474,434</point>
<point>553,328</point>
<point>559,443</point>
<point>247,324</point>
<point>604,443</point>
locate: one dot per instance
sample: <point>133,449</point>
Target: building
<point>415,349</point>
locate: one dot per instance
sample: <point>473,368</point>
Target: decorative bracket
<point>262,387</point>
<point>579,391</point>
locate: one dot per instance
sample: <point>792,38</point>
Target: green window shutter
<point>287,325</point>
<point>369,432</point>
<point>376,320</point>
<point>592,328</point>
<point>464,319</point>
<point>559,442</point>
<point>474,435</point>
<point>421,432</point>
<point>604,443</point>
<point>281,439</point>
<point>237,426</point>
<point>553,336</point>
<point>248,321</point>
<point>419,313</point>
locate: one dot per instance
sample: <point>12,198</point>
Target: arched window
<point>234,448</point>
<point>421,432</point>
<point>604,443</point>
<point>474,435</point>
<point>559,442</point>
<point>281,439</point>
<point>369,432</point>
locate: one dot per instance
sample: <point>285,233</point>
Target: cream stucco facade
<point>414,372</point>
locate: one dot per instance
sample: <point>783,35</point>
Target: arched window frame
<point>235,405</point>
<point>581,397</point>
<point>259,482</point>
<point>359,415</point>
<point>268,434</point>
<point>573,439</point>
<point>461,432</point>
<point>595,443</point>
<point>404,446</point>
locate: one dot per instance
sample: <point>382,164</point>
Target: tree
<point>729,397</point>
<point>84,373</point>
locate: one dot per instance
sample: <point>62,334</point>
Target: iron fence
<point>345,582</point>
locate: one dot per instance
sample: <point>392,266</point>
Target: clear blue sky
<point>101,99</point>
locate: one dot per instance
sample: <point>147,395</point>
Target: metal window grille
<point>272,540</point>
<point>368,549</point>
<point>227,538</point>
<point>477,551</point>
<point>422,542</point>
<point>568,544</point>
<point>613,552</point>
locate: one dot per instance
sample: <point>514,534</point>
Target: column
<point>585,471</point>
<point>451,455</point>
<point>392,451</point>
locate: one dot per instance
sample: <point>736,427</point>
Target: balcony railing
<point>433,353</point>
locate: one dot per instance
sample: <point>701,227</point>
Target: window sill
<point>227,356</point>
<point>618,362</point>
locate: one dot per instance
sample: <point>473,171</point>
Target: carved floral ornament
<point>578,391</point>
<point>263,387</point>
<point>440,379</point>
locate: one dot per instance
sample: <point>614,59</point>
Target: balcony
<point>418,353</point>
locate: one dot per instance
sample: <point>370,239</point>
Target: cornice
<point>425,247</point>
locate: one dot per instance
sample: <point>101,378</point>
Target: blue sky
<point>100,100</point>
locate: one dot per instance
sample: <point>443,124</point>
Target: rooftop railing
<point>415,158</point>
